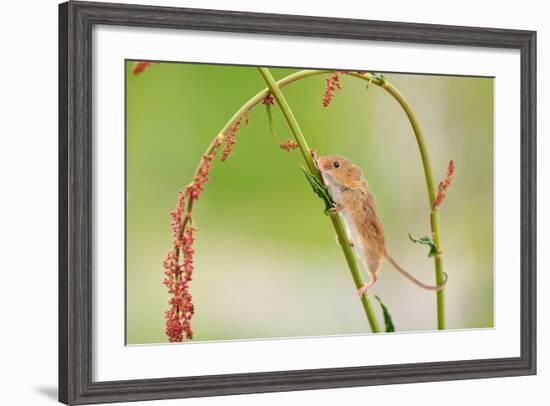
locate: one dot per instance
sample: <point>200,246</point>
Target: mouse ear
<point>355,172</point>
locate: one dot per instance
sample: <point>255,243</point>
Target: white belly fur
<point>351,230</point>
<point>354,236</point>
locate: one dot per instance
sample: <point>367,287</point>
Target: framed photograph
<point>260,202</point>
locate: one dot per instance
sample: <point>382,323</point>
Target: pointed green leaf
<point>425,240</point>
<point>270,120</point>
<point>390,328</point>
<point>320,189</point>
<point>379,77</point>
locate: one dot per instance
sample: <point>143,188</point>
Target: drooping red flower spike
<point>139,67</point>
<point>289,145</point>
<point>181,310</point>
<point>178,263</point>
<point>444,186</point>
<point>332,85</point>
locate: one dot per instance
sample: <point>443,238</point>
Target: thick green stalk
<point>336,220</point>
<point>434,213</point>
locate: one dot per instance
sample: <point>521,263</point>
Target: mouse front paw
<point>339,243</point>
<point>336,208</point>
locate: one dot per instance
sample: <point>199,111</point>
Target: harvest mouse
<point>355,202</point>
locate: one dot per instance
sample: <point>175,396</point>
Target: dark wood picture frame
<point>76,20</point>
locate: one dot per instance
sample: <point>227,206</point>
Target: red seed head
<point>332,85</point>
<point>444,186</point>
<point>289,145</point>
<point>139,67</point>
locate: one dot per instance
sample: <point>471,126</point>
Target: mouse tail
<point>409,276</point>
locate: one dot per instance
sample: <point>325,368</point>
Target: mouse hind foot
<point>363,290</point>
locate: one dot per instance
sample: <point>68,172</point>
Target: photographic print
<point>268,203</point>
<point>248,201</point>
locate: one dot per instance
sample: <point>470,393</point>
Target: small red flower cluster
<point>139,67</point>
<point>444,186</point>
<point>201,177</point>
<point>332,85</point>
<point>177,214</point>
<point>230,138</point>
<point>268,100</point>
<point>177,276</point>
<point>289,145</point>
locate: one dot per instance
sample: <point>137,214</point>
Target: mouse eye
<point>336,164</point>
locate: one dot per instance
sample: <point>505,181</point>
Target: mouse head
<point>338,169</point>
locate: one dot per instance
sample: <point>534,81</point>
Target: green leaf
<point>379,77</point>
<point>320,189</point>
<point>425,240</point>
<point>270,120</point>
<point>375,76</point>
<point>390,328</point>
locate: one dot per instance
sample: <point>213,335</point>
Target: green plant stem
<point>335,218</point>
<point>434,214</point>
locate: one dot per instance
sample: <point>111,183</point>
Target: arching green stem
<point>434,213</point>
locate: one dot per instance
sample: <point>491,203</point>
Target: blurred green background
<point>267,264</point>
